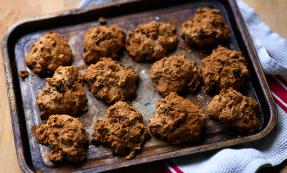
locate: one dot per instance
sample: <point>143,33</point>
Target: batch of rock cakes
<point>177,121</point>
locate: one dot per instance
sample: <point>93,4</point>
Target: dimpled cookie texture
<point>224,68</point>
<point>63,93</point>
<point>103,41</point>
<point>205,28</point>
<point>48,53</point>
<point>177,120</point>
<point>175,74</point>
<point>65,135</point>
<point>110,81</point>
<point>151,41</point>
<point>235,110</point>
<point>122,129</point>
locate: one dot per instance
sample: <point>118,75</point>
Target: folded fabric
<point>271,150</point>
<point>269,45</point>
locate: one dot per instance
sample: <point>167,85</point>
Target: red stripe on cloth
<point>165,168</point>
<point>280,104</point>
<point>177,170</point>
<point>278,90</point>
<point>282,80</point>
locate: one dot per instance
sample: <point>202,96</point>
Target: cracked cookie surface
<point>205,28</point>
<point>110,81</point>
<point>175,74</point>
<point>103,41</point>
<point>177,120</point>
<point>122,129</point>
<point>151,41</point>
<point>65,135</point>
<point>235,110</point>
<point>63,93</point>
<point>224,68</point>
<point>48,53</point>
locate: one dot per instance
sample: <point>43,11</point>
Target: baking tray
<point>72,25</point>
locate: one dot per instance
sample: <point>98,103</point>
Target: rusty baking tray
<point>72,24</point>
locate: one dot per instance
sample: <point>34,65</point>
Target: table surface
<point>273,12</point>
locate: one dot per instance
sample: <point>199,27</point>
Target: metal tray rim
<point>12,105</point>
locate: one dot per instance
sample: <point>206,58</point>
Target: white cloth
<point>271,150</point>
<point>271,48</point>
